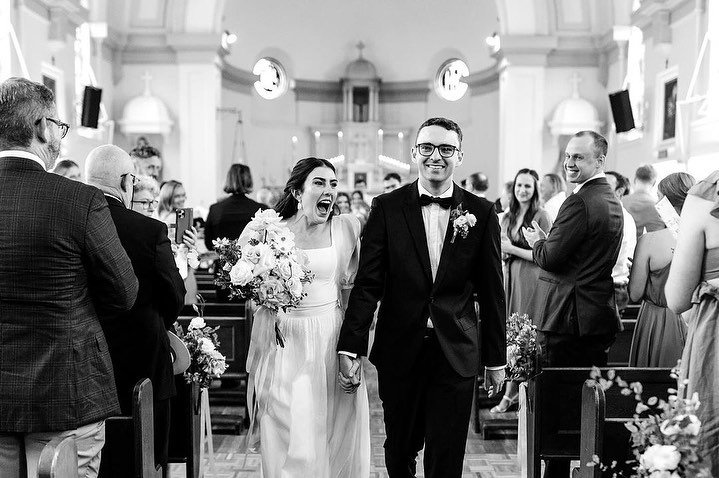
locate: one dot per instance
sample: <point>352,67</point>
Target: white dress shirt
<point>16,153</point>
<point>620,272</point>
<point>553,204</point>
<point>579,186</point>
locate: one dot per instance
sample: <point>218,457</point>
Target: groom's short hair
<point>445,123</point>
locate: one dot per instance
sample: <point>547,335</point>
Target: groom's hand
<point>350,371</point>
<point>493,381</point>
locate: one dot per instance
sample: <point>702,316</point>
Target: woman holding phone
<point>171,210</point>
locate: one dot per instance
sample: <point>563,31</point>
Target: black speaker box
<point>91,106</point>
<point>622,110</point>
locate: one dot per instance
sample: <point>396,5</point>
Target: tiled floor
<point>483,459</point>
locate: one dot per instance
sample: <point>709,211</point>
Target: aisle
<point>483,459</point>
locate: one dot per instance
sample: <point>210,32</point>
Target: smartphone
<point>183,223</point>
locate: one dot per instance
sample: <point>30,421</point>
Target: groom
<point>427,343</point>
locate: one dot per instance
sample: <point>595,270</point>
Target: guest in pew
<point>68,168</point>
<point>144,199</point>
<point>522,272</point>
<point>139,346</point>
<point>660,334</point>
<point>574,296</point>
<point>694,283</point>
<point>61,265</point>
<point>228,217</point>
<point>620,272</point>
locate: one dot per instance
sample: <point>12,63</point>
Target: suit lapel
<point>448,246</point>
<point>413,216</point>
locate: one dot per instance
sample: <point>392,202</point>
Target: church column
<point>199,93</point>
<point>521,103</point>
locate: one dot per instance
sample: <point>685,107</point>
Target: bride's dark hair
<point>287,205</point>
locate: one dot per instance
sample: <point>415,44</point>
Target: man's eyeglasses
<point>134,178</point>
<point>146,204</point>
<point>445,150</point>
<point>62,127</point>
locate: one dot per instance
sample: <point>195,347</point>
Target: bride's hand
<point>349,373</point>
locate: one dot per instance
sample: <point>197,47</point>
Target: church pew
<point>553,412</point>
<point>58,459</point>
<point>185,438</point>
<point>605,414</point>
<point>129,449</point>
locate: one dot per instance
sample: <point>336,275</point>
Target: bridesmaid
<point>660,334</point>
<point>694,283</point>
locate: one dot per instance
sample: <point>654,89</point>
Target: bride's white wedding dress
<point>308,427</point>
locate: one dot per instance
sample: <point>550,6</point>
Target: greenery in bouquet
<point>664,434</point>
<point>521,348</point>
<point>206,361</point>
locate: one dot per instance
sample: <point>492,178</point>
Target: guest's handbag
<point>179,354</point>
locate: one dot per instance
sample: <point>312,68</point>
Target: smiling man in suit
<point>138,341</point>
<point>427,342</point>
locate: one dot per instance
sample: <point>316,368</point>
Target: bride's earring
<point>299,204</point>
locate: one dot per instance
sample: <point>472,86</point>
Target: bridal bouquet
<point>665,434</point>
<point>264,265</point>
<point>521,348</point>
<point>206,362</point>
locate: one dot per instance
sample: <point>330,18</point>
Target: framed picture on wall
<point>665,107</point>
<point>54,78</point>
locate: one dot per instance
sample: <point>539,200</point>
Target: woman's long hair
<point>287,205</point>
<point>514,208</point>
<point>167,192</point>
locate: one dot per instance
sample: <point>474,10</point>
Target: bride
<point>313,421</point>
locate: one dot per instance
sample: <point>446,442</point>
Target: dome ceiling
<point>404,39</point>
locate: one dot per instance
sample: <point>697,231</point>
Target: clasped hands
<point>533,234</point>
<point>350,373</point>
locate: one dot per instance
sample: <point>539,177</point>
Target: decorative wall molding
<point>484,81</point>
<point>319,91</point>
<point>405,91</point>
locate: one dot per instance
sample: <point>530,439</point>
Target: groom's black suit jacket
<point>395,268</point>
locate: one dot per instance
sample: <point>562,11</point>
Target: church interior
<point>211,83</point>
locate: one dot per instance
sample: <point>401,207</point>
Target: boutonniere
<point>461,222</point>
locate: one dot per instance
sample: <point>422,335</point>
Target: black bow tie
<point>425,200</point>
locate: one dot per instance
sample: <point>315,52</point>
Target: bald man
<point>138,341</point>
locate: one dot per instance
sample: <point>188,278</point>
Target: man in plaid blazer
<point>61,264</point>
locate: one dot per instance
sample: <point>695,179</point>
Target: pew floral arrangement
<point>264,265</point>
<point>665,434</point>
<point>521,348</point>
<point>206,361</point>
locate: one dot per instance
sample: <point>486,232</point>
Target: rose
<point>471,220</point>
<point>295,286</point>
<point>663,474</point>
<point>251,253</point>
<point>685,424</point>
<point>461,221</point>
<point>241,273</point>
<point>205,345</point>
<point>660,457</point>
<point>192,259</point>
<point>269,289</point>
<point>267,259</point>
<point>284,268</point>
<point>197,323</point>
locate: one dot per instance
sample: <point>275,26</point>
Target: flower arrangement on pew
<point>665,434</point>
<point>521,348</point>
<point>265,266</point>
<point>206,362</point>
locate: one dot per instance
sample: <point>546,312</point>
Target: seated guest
<point>660,334</point>
<point>61,265</point>
<point>228,217</point>
<point>343,203</point>
<point>139,346</point>
<point>522,273</point>
<point>391,182</point>
<point>552,190</point>
<point>477,184</point>
<point>640,203</point>
<point>68,168</point>
<point>620,272</point>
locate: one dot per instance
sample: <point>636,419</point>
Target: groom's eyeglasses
<point>445,150</point>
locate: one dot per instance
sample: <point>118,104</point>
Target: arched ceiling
<point>405,39</point>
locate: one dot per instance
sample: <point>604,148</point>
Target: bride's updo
<point>287,205</point>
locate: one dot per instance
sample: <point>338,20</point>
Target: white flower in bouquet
<point>513,352</point>
<point>660,458</point>
<point>269,289</point>
<point>241,273</point>
<point>193,260</point>
<point>686,424</point>
<point>251,253</point>
<point>664,474</point>
<point>267,260</point>
<point>267,220</point>
<point>295,287</point>
<point>205,345</point>
<point>284,240</point>
<point>197,323</point>
<point>284,268</point>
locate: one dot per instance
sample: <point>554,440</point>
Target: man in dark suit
<point>575,290</point>
<point>427,342</point>
<point>61,264</point>
<point>138,342</point>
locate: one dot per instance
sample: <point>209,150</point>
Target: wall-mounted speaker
<point>91,106</point>
<point>622,110</point>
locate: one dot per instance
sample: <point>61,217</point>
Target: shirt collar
<point>447,194</point>
<point>114,197</point>
<point>16,153</point>
<point>579,186</point>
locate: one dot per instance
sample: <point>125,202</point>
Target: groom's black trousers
<point>428,405</point>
